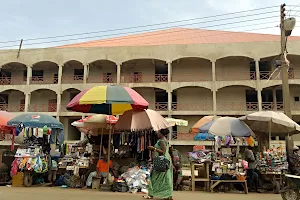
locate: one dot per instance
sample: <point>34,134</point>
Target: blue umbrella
<point>226,126</point>
<point>34,120</point>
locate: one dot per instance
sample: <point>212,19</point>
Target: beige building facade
<point>186,81</point>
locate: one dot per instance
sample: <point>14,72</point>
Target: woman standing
<point>161,183</point>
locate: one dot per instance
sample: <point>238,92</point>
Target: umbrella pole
<point>270,129</point>
<point>108,152</point>
<point>101,143</point>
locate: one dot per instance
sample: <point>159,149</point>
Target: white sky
<point>35,18</point>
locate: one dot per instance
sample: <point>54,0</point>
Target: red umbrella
<point>4,118</point>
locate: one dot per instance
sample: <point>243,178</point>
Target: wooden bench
<point>204,179</point>
<point>215,183</point>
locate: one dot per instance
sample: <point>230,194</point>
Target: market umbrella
<point>273,123</point>
<point>109,99</point>
<point>177,122</point>
<point>95,125</point>
<point>224,126</point>
<point>95,121</point>
<point>201,122</point>
<point>36,120</point>
<point>4,118</point>
<point>138,120</point>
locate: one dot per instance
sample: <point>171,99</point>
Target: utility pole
<point>284,66</point>
<point>285,77</point>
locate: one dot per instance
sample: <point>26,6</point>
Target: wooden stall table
<point>215,183</point>
<point>204,179</point>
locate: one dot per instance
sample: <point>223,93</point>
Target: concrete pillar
<point>29,75</point>
<point>213,70</point>
<point>85,73</point>
<point>169,101</point>
<point>169,72</point>
<point>118,74</point>
<point>259,99</point>
<point>27,102</point>
<point>258,85</point>
<point>214,102</point>
<point>58,102</point>
<point>274,98</point>
<point>60,70</point>
<point>214,90</point>
<point>257,72</point>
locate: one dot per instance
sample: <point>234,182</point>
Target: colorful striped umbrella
<point>109,99</point>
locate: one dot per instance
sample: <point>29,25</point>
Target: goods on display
<point>136,179</point>
<point>272,160</point>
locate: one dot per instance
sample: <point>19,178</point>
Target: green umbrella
<point>177,122</point>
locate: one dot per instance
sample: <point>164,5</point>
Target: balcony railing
<point>72,79</point>
<point>42,107</point>
<point>272,106</point>
<point>44,80</point>
<point>140,78</point>
<point>237,106</point>
<point>16,80</point>
<point>102,79</point>
<point>207,106</point>
<point>191,77</point>
<point>161,106</point>
<point>229,76</point>
<point>266,75</point>
<point>183,136</point>
<point>12,107</point>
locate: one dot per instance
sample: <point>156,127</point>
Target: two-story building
<point>183,73</point>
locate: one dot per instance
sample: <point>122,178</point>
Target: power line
<point>155,33</point>
<point>142,26</point>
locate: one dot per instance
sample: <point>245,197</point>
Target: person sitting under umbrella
<point>101,171</point>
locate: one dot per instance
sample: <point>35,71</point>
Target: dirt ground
<point>43,193</point>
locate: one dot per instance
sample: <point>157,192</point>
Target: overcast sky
<point>40,18</point>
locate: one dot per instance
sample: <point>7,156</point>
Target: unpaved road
<point>43,193</point>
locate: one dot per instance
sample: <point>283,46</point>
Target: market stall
<point>272,161</point>
<point>41,133</point>
<point>6,134</point>
<point>225,163</point>
<point>142,124</point>
<point>110,100</point>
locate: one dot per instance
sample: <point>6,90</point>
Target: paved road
<point>42,193</point>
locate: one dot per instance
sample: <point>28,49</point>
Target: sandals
<point>147,197</point>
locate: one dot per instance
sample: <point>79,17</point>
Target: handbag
<point>161,164</point>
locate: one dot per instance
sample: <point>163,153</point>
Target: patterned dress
<point>161,183</point>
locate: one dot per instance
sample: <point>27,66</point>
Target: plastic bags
<point>136,179</point>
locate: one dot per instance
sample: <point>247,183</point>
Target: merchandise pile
<point>31,159</point>
<point>136,179</point>
<point>272,160</point>
<point>227,164</point>
<point>200,156</point>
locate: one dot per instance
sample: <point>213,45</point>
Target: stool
<point>96,182</point>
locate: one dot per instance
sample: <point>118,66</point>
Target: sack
<point>176,159</point>
<point>120,187</point>
<point>161,164</point>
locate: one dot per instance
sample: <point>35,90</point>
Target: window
<point>55,78</point>
<point>25,75</point>
<point>78,74</point>
<point>107,78</point>
<point>296,99</point>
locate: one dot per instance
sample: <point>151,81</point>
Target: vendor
<point>177,171</point>
<point>294,161</point>
<point>252,177</point>
<point>101,170</point>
